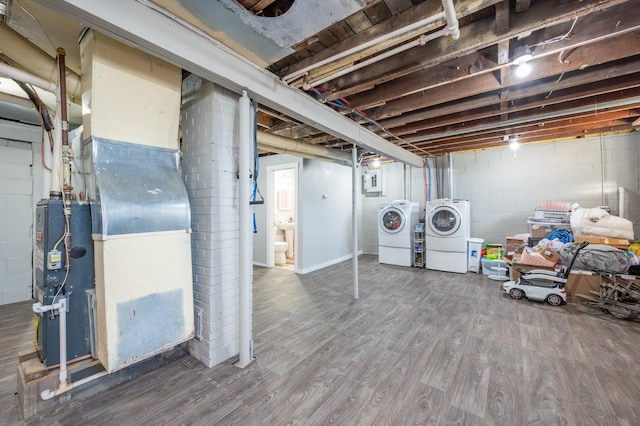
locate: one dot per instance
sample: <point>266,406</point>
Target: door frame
<point>270,203</point>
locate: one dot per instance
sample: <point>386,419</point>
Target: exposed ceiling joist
<point>157,34</point>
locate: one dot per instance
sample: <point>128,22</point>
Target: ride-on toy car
<point>538,284</point>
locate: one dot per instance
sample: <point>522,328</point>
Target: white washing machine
<point>396,222</point>
<point>447,228</point>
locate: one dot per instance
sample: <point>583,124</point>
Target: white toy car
<point>542,285</point>
<point>537,287</point>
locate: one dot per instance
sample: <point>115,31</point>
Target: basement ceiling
<point>437,94</point>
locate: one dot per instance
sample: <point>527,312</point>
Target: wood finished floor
<point>418,347</point>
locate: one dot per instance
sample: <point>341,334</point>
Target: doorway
<point>282,216</point>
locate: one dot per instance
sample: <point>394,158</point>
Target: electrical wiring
<point>344,104</point>
<point>559,38</point>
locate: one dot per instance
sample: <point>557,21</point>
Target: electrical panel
<point>54,280</point>
<point>372,180</point>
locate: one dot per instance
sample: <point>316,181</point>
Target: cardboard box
<point>515,264</point>
<point>512,243</point>
<point>549,254</point>
<point>615,242</point>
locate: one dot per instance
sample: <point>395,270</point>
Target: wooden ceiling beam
<point>481,84</point>
<point>625,89</point>
<point>480,35</point>
<point>407,17</point>
<point>581,121</point>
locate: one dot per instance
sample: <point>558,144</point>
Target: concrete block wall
<point>504,189</point>
<point>209,125</point>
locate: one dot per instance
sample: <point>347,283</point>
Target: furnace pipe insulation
<point>354,216</point>
<point>39,63</point>
<point>277,150</point>
<point>299,147</point>
<point>245,140</point>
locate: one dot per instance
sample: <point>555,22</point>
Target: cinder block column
<point>210,149</point>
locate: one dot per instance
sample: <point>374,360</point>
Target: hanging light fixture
<point>514,144</point>
<point>521,60</point>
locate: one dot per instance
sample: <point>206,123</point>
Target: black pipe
<point>42,109</point>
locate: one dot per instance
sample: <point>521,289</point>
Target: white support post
<point>354,216</point>
<point>246,301</point>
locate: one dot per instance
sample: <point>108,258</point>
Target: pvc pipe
<point>354,216</point>
<point>622,202</point>
<point>245,142</point>
<point>293,145</point>
<point>453,26</point>
<point>420,41</point>
<point>366,45</point>
<point>26,77</point>
<point>39,63</point>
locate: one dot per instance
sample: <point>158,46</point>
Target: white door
<point>16,218</point>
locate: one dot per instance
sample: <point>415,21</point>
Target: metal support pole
<point>354,216</point>
<point>246,229</point>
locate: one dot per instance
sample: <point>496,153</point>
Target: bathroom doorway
<point>282,216</point>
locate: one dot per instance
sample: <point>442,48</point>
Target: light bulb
<point>523,69</point>
<point>376,163</point>
<point>514,144</point>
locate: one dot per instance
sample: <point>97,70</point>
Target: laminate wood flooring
<point>419,347</point>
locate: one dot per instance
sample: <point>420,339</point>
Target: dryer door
<point>444,221</point>
<point>392,220</point>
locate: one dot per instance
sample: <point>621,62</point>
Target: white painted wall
<point>20,189</point>
<point>504,191</point>
<point>323,224</point>
<point>325,232</point>
<point>210,169</point>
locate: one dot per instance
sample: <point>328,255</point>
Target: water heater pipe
<point>245,141</point>
<point>354,216</point>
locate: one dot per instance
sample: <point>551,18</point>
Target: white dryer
<point>396,221</point>
<point>447,228</point>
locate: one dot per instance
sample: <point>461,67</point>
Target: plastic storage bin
<point>474,248</point>
<point>494,267</point>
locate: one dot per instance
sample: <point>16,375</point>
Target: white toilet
<point>280,250</point>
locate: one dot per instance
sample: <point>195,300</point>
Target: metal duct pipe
<point>276,150</point>
<point>36,61</point>
<point>303,149</point>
